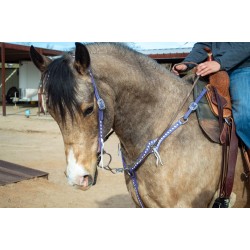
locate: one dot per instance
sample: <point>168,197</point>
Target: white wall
<point>29,78</point>
<point>12,82</point>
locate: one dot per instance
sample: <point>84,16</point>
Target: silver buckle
<point>193,106</point>
<point>183,121</point>
<point>101,104</point>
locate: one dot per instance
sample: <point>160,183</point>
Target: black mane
<point>61,87</point>
<point>60,82</point>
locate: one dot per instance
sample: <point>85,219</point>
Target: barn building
<point>12,55</point>
<point>17,73</point>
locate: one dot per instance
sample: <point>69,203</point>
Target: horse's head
<point>71,101</point>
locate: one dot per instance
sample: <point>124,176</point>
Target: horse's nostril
<point>90,180</point>
<point>86,181</point>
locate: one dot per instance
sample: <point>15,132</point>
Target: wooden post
<point>3,79</point>
<point>40,93</point>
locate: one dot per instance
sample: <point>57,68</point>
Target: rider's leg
<point>240,95</point>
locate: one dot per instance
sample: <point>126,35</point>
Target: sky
<point>136,45</point>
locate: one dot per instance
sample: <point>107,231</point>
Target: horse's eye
<point>88,111</point>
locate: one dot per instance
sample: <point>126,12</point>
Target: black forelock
<point>61,87</point>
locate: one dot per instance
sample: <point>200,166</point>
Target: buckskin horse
<point>105,86</point>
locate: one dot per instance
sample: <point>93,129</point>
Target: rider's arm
<point>197,54</point>
<point>236,53</point>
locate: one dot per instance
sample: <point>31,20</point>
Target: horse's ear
<point>39,60</point>
<point>82,58</point>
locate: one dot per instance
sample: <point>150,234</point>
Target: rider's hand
<point>207,68</point>
<point>178,68</point>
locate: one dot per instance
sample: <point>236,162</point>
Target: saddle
<point>215,118</point>
<point>214,115</point>
<point>219,81</point>
<point>208,112</point>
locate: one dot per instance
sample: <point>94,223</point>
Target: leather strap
<point>232,158</point>
<point>228,137</point>
<point>229,142</point>
<point>246,153</point>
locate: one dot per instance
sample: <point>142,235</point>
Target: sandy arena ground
<point>36,142</point>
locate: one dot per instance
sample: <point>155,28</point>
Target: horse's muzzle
<point>83,182</point>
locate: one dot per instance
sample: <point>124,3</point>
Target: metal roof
<point>15,53</point>
<point>172,53</point>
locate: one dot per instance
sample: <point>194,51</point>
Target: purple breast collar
<point>152,146</point>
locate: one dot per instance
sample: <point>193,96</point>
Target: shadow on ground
<point>117,201</point>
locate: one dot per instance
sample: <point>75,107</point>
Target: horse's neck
<point>144,113</point>
<point>145,102</point>
<point>144,117</point>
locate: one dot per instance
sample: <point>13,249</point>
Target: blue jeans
<point>240,95</point>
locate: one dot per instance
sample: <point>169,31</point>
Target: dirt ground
<point>36,142</point>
